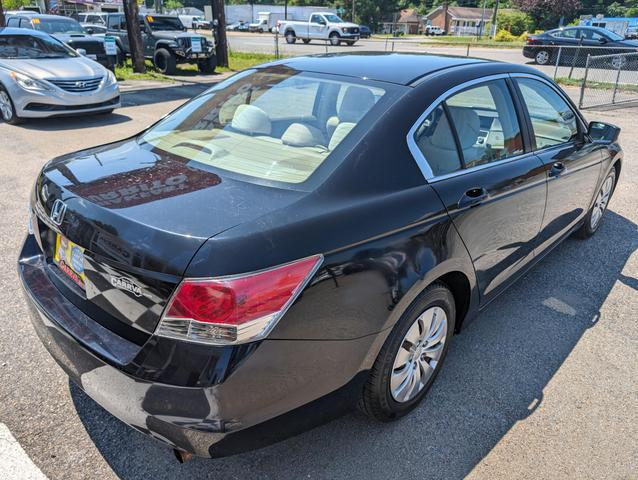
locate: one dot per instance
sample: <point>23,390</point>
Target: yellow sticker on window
<point>36,20</point>
<point>149,19</point>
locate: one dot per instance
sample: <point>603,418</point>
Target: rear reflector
<point>235,309</point>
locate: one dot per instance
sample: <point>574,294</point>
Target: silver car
<point>42,77</point>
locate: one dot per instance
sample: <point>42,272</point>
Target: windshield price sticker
<point>110,46</point>
<point>196,45</point>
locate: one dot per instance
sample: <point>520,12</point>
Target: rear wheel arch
<point>459,285</point>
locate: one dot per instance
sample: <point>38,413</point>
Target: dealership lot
<point>542,384</point>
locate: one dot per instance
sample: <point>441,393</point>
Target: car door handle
<point>557,169</point>
<point>473,197</point>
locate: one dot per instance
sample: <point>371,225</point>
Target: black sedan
<point>571,45</point>
<point>306,236</point>
<point>364,31</point>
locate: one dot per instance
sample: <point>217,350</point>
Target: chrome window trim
<point>420,159</point>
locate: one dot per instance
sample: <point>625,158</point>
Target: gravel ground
<point>542,385</point>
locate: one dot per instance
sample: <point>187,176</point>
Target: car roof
<point>42,16</point>
<point>22,31</point>
<point>399,68</point>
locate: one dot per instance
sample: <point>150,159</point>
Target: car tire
<point>335,39</point>
<point>291,37</point>
<point>306,41</point>
<point>594,217</point>
<point>382,397</point>
<point>165,61</point>
<point>207,65</point>
<point>7,109</point>
<point>543,57</point>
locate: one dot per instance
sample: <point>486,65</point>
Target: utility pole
<point>353,11</point>
<point>2,21</point>
<point>286,10</point>
<point>219,19</point>
<point>493,27</point>
<point>134,33</point>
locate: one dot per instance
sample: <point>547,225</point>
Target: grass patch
<point>243,60</point>
<point>622,87</point>
<point>237,60</point>
<point>471,41</point>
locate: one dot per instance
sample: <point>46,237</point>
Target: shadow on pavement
<point>149,96</point>
<point>73,123</point>
<point>495,375</point>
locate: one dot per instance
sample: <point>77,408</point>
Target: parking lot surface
<point>544,384</point>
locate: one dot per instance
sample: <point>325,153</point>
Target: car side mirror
<point>604,133</point>
<point>89,30</point>
<point>81,51</point>
<point>602,40</point>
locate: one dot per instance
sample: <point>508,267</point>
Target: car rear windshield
<point>57,25</point>
<point>29,47</point>
<point>277,125</point>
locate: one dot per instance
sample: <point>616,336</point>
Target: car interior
<point>294,124</point>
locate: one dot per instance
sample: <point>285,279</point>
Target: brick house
<point>461,20</point>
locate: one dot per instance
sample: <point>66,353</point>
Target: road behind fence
<point>606,75</point>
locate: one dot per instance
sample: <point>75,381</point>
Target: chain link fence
<point>609,80</point>
<point>606,75</point>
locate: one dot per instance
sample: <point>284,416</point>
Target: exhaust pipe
<point>182,456</point>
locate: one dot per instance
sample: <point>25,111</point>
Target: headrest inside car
<point>302,135</point>
<point>251,120</point>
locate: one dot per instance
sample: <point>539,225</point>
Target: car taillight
<point>531,41</point>
<point>235,309</point>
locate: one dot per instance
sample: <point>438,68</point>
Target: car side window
<point>24,23</point>
<point>435,139</point>
<point>315,19</point>
<point>553,120</point>
<point>485,121</point>
<point>567,33</point>
<point>13,22</point>
<point>473,127</point>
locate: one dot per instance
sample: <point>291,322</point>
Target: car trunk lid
<point>139,216</point>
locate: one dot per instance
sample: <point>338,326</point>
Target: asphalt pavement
<point>544,384</point>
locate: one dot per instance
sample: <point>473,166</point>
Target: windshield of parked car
<point>277,124</point>
<point>613,36</point>
<point>333,18</point>
<point>57,25</point>
<point>30,47</point>
<point>165,23</point>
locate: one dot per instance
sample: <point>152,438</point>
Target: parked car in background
<point>40,76</point>
<point>253,264</point>
<point>265,22</point>
<point>96,18</point>
<point>433,30</point>
<point>240,26</point>
<point>364,31</point>
<point>68,31</point>
<point>195,22</point>
<point>94,29</point>
<point>320,26</point>
<point>166,42</point>
<point>577,43</point>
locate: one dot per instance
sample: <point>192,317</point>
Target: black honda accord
<point>304,237</point>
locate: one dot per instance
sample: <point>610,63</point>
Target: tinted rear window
<point>278,126</point>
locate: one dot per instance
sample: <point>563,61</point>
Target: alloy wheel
<point>6,109</point>
<point>542,57</point>
<point>419,354</point>
<point>601,202</point>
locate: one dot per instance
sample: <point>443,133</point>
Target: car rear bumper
<point>258,393</point>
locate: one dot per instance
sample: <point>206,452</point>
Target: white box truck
<point>266,22</point>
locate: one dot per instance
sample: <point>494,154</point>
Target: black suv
<point>166,42</point>
<point>66,30</point>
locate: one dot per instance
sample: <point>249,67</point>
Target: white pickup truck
<point>320,26</point>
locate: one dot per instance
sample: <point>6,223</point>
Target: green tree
<point>616,10</point>
<point>172,4</point>
<point>514,22</point>
<point>15,4</point>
